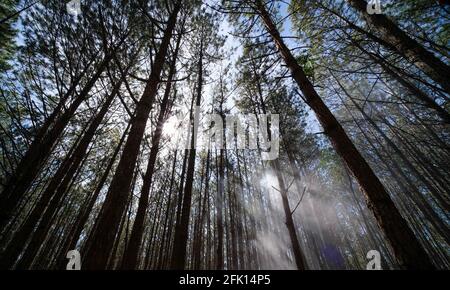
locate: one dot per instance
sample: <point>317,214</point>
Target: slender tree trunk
<point>166,233</point>
<point>196,249</point>
<point>181,231</point>
<point>154,229</point>
<point>197,254</point>
<point>220,196</point>
<point>233,227</point>
<point>241,212</point>
<point>299,259</point>
<point>283,190</point>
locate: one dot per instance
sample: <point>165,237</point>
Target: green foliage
<point>307,63</point>
<point>7,33</point>
<point>330,162</point>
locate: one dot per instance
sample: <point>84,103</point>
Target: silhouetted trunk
<point>181,230</point>
<point>130,258</point>
<point>78,226</point>
<point>283,190</point>
<point>220,196</point>
<point>167,224</point>
<point>241,212</point>
<point>197,254</point>
<point>196,250</point>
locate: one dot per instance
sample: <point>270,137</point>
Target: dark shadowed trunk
<point>181,231</point>
<point>77,227</point>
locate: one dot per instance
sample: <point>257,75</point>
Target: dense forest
<point>103,104</point>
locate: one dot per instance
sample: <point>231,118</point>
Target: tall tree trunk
<point>299,259</point>
<point>115,202</point>
<point>130,258</point>
<point>167,224</point>
<point>196,249</point>
<point>181,230</point>
<point>77,227</point>
<point>220,197</point>
<point>197,255</point>
<point>283,190</point>
<point>406,247</point>
<point>233,227</point>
